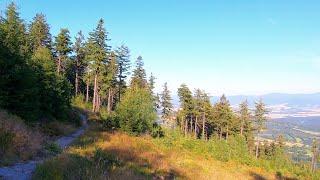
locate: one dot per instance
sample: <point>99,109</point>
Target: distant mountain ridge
<point>292,100</point>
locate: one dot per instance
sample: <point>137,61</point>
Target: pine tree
<point>202,111</point>
<point>187,105</point>
<point>224,117</point>
<point>110,81</point>
<point>198,110</point>
<point>18,83</point>
<point>166,102</point>
<point>151,83</point>
<point>123,63</point>
<point>79,50</point>
<point>260,119</point>
<point>244,117</point>
<point>62,48</point>
<point>139,75</point>
<point>14,31</point>
<point>97,57</point>
<point>39,33</point>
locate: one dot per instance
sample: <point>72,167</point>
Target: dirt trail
<point>23,171</point>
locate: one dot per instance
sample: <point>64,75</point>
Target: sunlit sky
<point>232,47</point>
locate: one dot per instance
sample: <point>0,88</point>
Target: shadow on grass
<point>278,176</point>
<point>151,165</point>
<point>112,162</point>
<point>257,176</point>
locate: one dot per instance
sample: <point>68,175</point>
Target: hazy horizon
<point>238,48</point>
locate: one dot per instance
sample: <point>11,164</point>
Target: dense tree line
<point>198,118</point>
<point>40,73</point>
<point>29,84</point>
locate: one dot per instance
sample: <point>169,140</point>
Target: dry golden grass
<point>144,155</point>
<point>18,141</point>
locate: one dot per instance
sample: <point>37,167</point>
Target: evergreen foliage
<point>166,102</point>
<point>136,111</point>
<point>139,78</point>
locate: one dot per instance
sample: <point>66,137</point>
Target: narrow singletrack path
<point>23,171</point>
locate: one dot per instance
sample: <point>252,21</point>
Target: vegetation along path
<point>22,171</point>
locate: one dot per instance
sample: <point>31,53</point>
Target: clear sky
<point>232,47</point>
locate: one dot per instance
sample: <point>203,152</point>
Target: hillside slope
<point>115,155</point>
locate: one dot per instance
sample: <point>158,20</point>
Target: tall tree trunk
<point>203,125</point>
<point>182,124</point>
<point>185,126</point>
<point>120,86</point>
<point>191,124</point>
<point>241,128</point>
<point>257,149</point>
<point>109,101</point>
<point>112,100</point>
<point>76,82</point>
<point>220,133</point>
<point>227,135</point>
<point>98,102</point>
<point>87,95</point>
<point>195,127</point>
<point>94,101</point>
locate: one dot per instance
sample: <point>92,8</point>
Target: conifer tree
<point>244,117</point>
<point>260,118</point>
<point>18,83</point>
<point>39,33</point>
<point>202,111</point>
<point>151,83</point>
<point>139,75</point>
<point>110,81</point>
<point>14,31</point>
<point>198,110</point>
<point>79,51</point>
<point>62,48</point>
<point>187,105</point>
<point>123,63</point>
<point>166,102</point>
<point>97,56</point>
<point>224,117</point>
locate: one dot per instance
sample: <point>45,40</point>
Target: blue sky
<point>232,47</point>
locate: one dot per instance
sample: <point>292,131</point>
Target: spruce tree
<point>39,33</point>
<point>259,118</point>
<point>123,63</point>
<point>18,83</point>
<point>139,75</point>
<point>97,57</point>
<point>224,117</point>
<point>79,63</point>
<point>62,48</point>
<point>245,115</point>
<point>187,106</point>
<point>166,102</point>
<point>14,31</point>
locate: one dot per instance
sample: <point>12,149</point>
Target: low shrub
<point>110,121</point>
<point>157,131</point>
